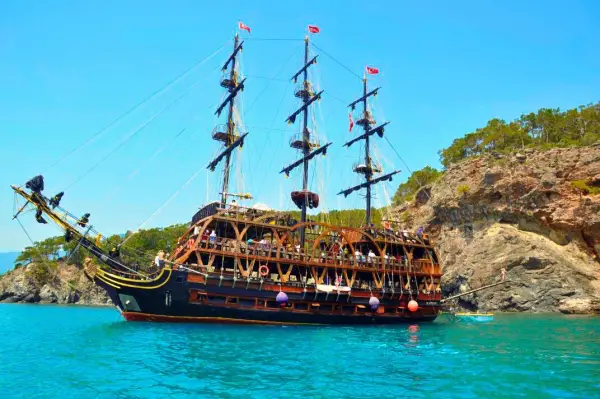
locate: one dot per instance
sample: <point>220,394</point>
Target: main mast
<point>368,169</point>
<point>309,149</point>
<point>228,134</point>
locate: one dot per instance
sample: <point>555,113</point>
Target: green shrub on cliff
<point>462,190</point>
<point>582,186</point>
<point>544,129</point>
<point>419,178</point>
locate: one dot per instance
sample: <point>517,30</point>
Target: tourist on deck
<point>371,255</point>
<point>420,232</point>
<point>213,238</point>
<point>358,255</point>
<point>262,245</point>
<point>159,260</point>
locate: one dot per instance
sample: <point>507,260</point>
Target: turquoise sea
<point>51,351</point>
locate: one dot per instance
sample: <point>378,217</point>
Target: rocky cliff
<point>62,284</point>
<point>535,213</point>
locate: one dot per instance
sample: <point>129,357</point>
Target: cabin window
<point>301,306</point>
<point>389,310</point>
<point>272,304</point>
<point>337,308</point>
<point>315,306</point>
<point>347,309</point>
<point>246,302</point>
<point>197,296</point>
<point>216,299</point>
<point>232,300</point>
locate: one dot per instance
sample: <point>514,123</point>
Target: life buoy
<point>263,270</point>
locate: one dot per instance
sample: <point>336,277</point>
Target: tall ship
<point>238,264</point>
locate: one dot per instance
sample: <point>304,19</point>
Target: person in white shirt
<point>371,255</point>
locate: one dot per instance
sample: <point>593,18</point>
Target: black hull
<point>171,303</point>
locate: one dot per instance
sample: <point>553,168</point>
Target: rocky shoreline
<point>66,285</point>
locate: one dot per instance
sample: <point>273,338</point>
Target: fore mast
<point>303,142</point>
<point>367,168</point>
<point>229,133</point>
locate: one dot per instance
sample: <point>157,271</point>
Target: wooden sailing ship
<point>245,265</point>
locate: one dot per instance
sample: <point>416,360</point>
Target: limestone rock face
<point>523,214</point>
<point>579,306</point>
<point>67,285</point>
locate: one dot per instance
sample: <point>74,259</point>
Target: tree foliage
<point>140,248</point>
<point>419,178</point>
<point>548,127</point>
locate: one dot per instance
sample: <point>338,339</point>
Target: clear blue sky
<point>68,68</point>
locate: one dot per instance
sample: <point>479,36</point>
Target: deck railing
<point>271,252</point>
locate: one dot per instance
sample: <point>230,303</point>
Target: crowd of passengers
<point>332,252</point>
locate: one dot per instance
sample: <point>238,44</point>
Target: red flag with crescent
<point>243,26</point>
<point>351,121</point>
<point>313,29</point>
<point>372,71</point>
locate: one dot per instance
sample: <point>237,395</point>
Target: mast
<point>368,169</point>
<point>369,172</point>
<point>303,142</point>
<point>306,139</point>
<point>227,133</point>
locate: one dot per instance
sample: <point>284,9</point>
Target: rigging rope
<point>269,82</point>
<point>405,164</point>
<point>338,62</point>
<point>163,205</point>
<point>138,105</point>
<point>132,134</point>
<point>261,39</point>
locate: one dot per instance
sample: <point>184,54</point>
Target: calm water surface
<point>76,352</point>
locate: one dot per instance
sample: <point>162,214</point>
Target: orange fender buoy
<point>413,306</point>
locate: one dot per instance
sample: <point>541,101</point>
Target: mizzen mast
<point>367,168</point>
<point>303,142</point>
<point>228,134</point>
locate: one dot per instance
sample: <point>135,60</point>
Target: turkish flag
<point>242,26</point>
<point>372,71</point>
<point>313,29</point>
<point>351,121</point>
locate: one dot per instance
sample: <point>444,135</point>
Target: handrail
<point>265,252</point>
